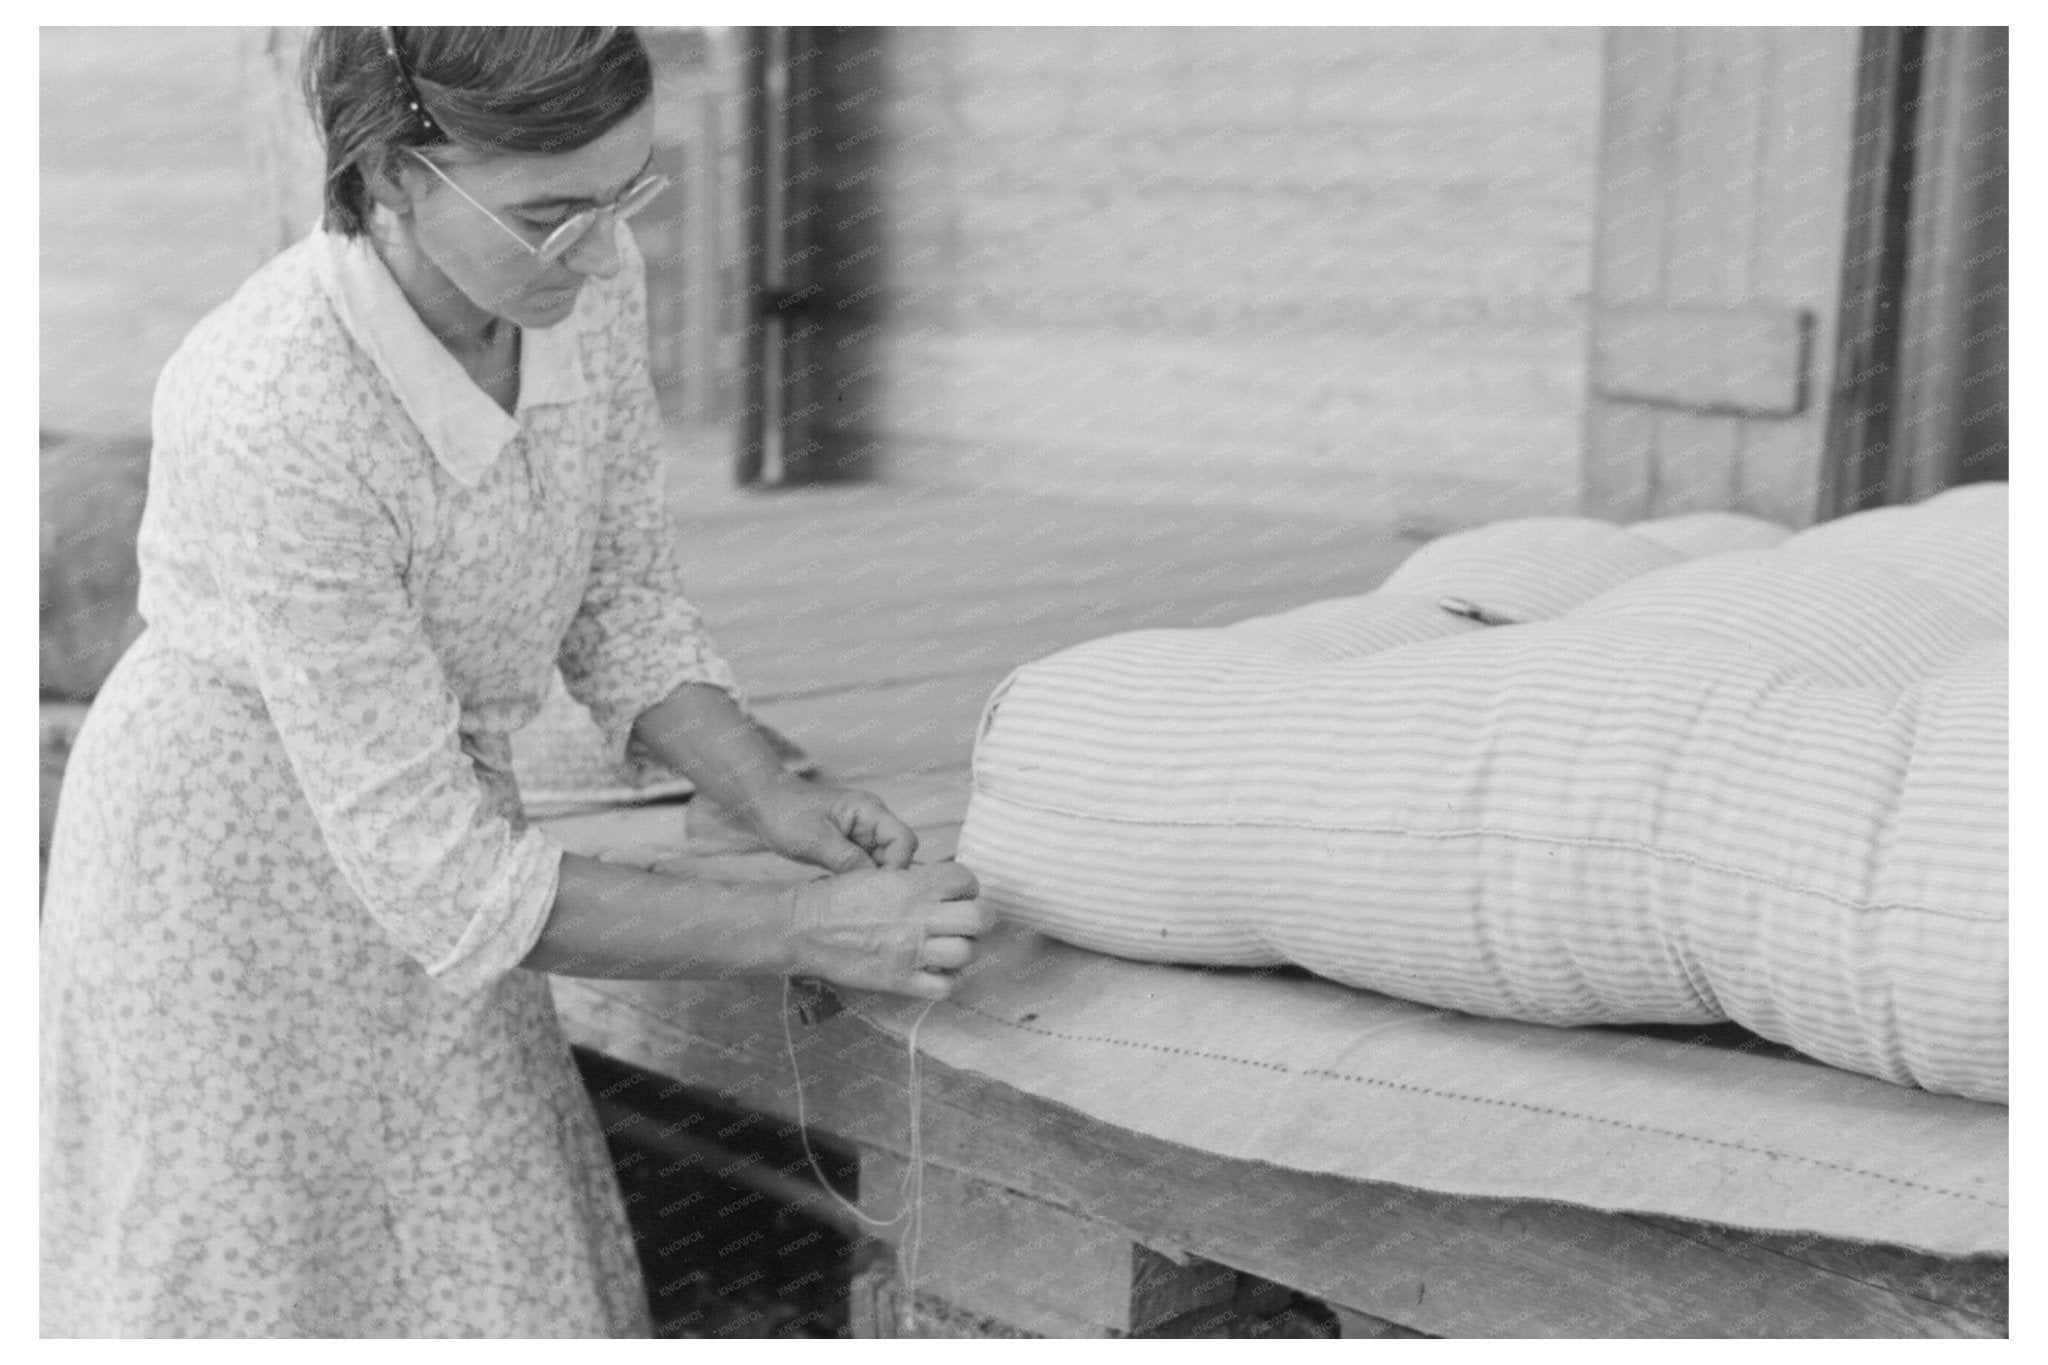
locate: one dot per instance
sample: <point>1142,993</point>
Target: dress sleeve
<point>310,564</point>
<point>636,638</point>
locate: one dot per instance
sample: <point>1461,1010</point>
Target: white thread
<point>911,1193</point>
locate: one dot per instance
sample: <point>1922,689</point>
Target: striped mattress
<point>1563,771</point>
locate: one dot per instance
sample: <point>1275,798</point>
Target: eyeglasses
<point>564,236</point>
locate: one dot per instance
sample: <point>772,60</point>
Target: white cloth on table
<point>293,1080</point>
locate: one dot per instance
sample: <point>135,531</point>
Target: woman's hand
<point>836,828</point>
<point>699,730</point>
<point>887,930</point>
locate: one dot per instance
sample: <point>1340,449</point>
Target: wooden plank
<point>1620,468</point>
<point>1696,461</point>
<point>988,1249</point>
<point>1748,361</point>
<point>1353,1324</point>
<point>1975,1285</point>
<point>1717,113</point>
<point>1640,76</point>
<point>1436,1263</point>
<point>1952,423</point>
<point>879,1307</point>
<point>1802,178</point>
<point>1864,388</point>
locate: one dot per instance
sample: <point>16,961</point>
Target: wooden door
<point>1723,178</point>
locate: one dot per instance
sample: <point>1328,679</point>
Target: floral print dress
<point>294,1081</point>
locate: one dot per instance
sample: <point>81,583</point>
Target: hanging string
<point>910,1195</point>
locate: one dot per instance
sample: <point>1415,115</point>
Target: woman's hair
<point>484,89</point>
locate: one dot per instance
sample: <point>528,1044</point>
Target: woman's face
<point>531,194</point>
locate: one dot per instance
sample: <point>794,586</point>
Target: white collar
<point>462,426</point>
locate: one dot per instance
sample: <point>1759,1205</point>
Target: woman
<point>300,1073</point>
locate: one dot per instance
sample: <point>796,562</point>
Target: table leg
<point>991,1261</point>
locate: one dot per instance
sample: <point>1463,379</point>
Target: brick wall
<point>1295,267</point>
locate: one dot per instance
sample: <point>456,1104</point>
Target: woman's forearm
<point>613,921</point>
<point>699,730</point>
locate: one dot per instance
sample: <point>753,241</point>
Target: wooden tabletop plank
<point>1444,1264</point>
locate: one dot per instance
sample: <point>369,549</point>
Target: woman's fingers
<point>952,881</point>
<point>957,919</point>
<point>886,838</point>
<point>946,954</point>
<point>893,843</point>
<point>834,853</point>
<point>932,985</point>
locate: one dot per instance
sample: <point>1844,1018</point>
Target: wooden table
<point>871,624</point>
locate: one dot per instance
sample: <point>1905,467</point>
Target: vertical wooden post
<point>817,255</point>
<point>1953,356</point>
<point>759,455</point>
<point>1865,392</point>
<point>836,250</point>
<point>1920,399</point>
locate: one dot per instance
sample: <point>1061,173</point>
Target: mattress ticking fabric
<point>1560,771</point>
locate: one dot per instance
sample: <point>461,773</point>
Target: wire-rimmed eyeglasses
<point>564,236</point>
